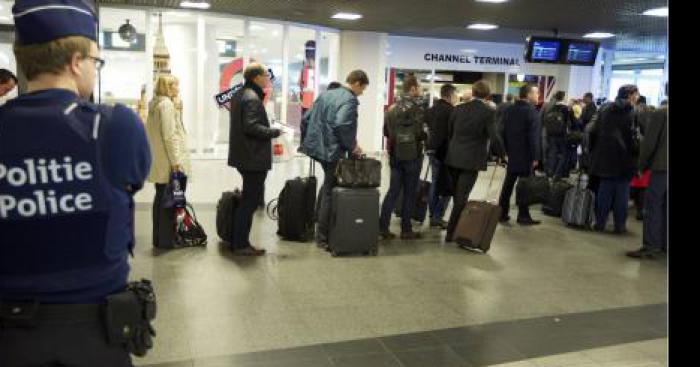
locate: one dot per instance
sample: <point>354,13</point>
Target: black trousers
<point>464,183</point>
<point>253,187</point>
<point>163,220</point>
<point>60,343</point>
<point>507,193</point>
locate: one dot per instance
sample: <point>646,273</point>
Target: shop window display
<point>266,47</point>
<point>303,72</point>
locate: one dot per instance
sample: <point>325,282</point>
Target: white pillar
<point>285,73</point>
<point>201,65</point>
<point>609,56</point>
<point>367,51</point>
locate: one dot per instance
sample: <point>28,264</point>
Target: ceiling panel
<point>448,18</point>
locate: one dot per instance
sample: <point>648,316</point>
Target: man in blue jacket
<point>330,133</point>
<point>68,171</point>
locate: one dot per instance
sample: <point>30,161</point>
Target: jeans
<point>613,194</point>
<point>253,185</point>
<point>558,156</point>
<point>324,201</point>
<point>465,181</point>
<point>437,204</point>
<point>403,174</point>
<point>656,211</point>
<point>507,193</point>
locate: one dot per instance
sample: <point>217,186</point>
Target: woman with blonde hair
<point>168,141</point>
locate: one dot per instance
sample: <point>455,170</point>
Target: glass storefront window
<point>126,74</point>
<point>265,46</point>
<point>207,53</point>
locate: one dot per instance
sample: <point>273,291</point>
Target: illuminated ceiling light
<point>657,12</point>
<point>195,4</point>
<point>599,35</point>
<point>347,16</point>
<point>520,77</point>
<point>492,1</point>
<point>482,27</point>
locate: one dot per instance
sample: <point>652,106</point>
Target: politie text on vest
<point>45,172</point>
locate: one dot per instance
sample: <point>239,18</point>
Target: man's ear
<point>74,63</point>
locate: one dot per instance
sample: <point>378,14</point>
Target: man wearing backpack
<point>557,123</point>
<point>403,126</point>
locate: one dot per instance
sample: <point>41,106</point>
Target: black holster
<point>127,317</point>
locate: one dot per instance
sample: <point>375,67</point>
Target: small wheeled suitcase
<point>296,208</point>
<point>579,206</point>
<point>225,214</point>
<point>555,202</point>
<point>354,226</point>
<point>420,206</point>
<point>477,223</point>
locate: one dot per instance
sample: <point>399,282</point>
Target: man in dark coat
<point>520,133</point>
<point>589,109</point>
<point>613,157</point>
<point>654,157</point>
<point>472,125</point>
<point>438,119</point>
<point>250,152</point>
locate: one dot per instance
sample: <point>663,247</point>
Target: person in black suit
<point>589,108</point>
<point>520,133</point>
<point>438,119</point>
<point>472,125</point>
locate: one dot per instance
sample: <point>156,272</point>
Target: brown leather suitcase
<point>477,223</point>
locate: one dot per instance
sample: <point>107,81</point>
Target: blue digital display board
<point>581,53</point>
<point>545,50</point>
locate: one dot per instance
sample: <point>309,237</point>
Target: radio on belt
<point>42,172</point>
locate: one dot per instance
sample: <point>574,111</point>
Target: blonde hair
<point>50,57</point>
<point>163,85</point>
<point>577,110</point>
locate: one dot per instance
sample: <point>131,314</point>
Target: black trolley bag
<point>295,208</point>
<point>555,203</point>
<point>532,190</point>
<point>225,214</point>
<point>420,207</point>
<point>354,226</point>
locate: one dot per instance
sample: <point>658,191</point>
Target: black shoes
<point>505,219</point>
<point>528,222</point>
<point>442,224</point>
<point>249,251</point>
<point>411,235</point>
<point>643,253</point>
<point>387,235</point>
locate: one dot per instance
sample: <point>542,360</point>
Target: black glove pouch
<point>127,317</point>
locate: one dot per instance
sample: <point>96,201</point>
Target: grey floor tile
<point>168,364</point>
<point>487,352</point>
<point>368,360</point>
<point>354,347</point>
<point>397,343</point>
<point>431,357</point>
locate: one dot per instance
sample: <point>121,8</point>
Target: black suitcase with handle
<point>296,208</point>
<point>225,214</point>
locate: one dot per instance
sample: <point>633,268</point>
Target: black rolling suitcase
<point>295,208</point>
<point>354,227</point>
<point>225,214</point>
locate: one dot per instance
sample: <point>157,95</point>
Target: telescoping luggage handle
<point>493,176</point>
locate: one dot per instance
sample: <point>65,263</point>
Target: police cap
<point>40,21</point>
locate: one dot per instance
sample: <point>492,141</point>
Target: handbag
<point>532,190</point>
<point>188,231</point>
<point>360,172</point>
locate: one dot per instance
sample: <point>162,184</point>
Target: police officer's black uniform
<point>68,170</point>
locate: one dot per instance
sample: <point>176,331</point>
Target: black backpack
<point>405,141</point>
<point>555,122</point>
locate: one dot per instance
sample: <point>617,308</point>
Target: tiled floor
<point>213,304</point>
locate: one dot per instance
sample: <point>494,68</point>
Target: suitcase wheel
<point>373,252</point>
<point>334,254</point>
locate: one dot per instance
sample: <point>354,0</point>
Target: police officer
<point>68,170</point>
